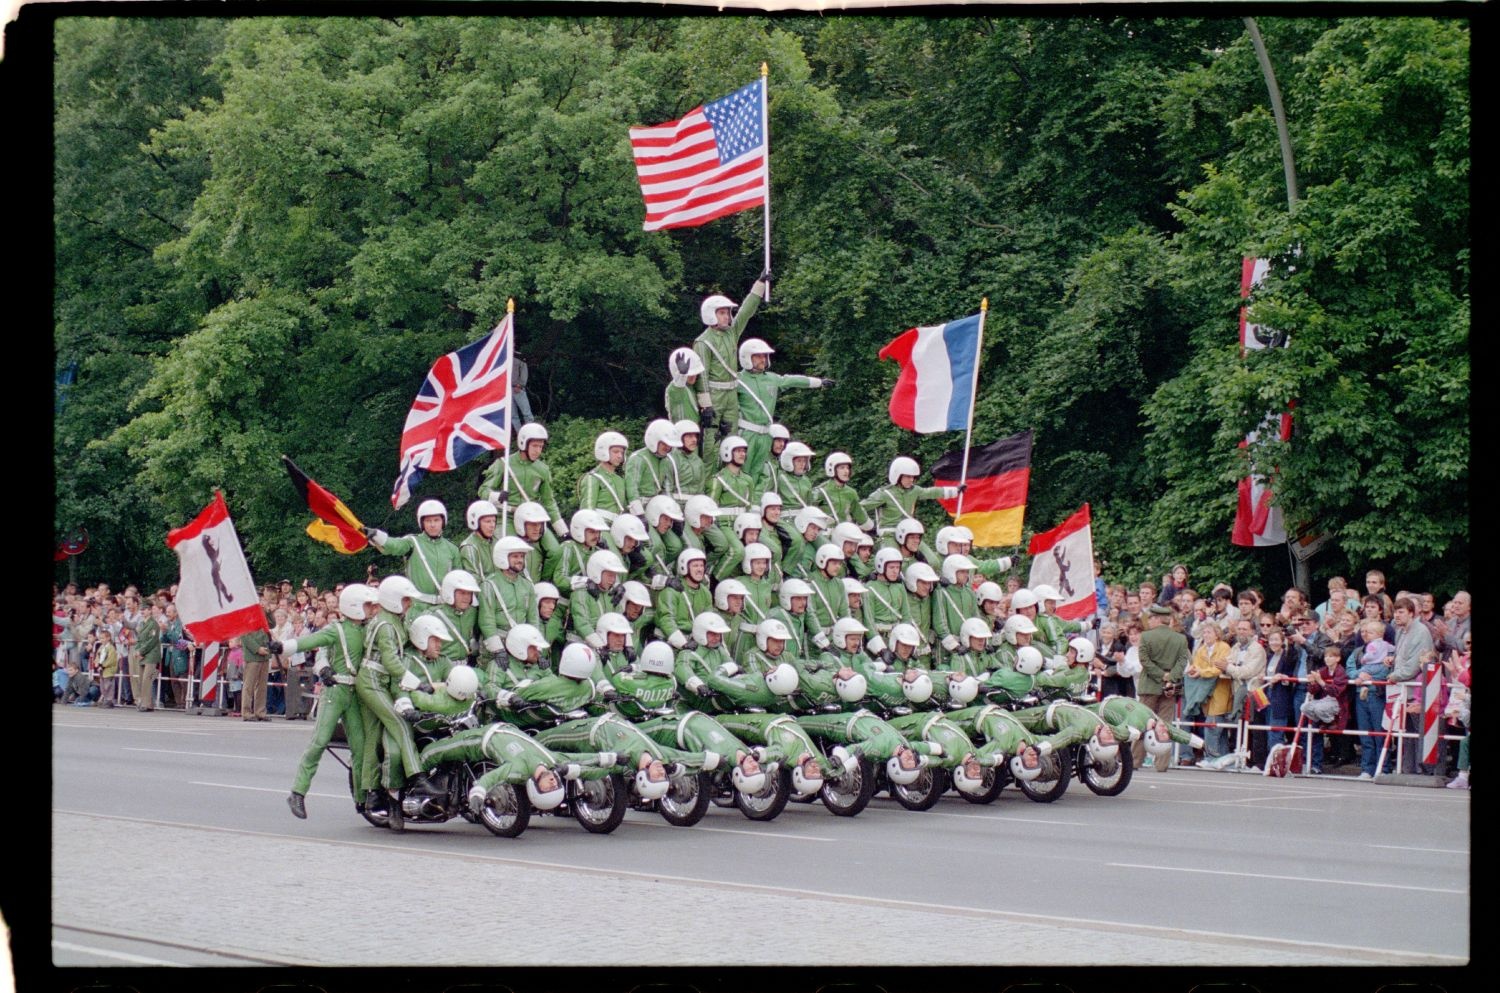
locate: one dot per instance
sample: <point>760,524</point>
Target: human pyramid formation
<point>777,634</point>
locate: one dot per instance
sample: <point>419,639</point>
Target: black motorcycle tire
<point>1048,790</point>
<point>925,792</point>
<point>769,802</point>
<point>510,821</point>
<point>995,779</point>
<point>847,795</point>
<point>686,799</point>
<point>1111,785</point>
<point>601,814</point>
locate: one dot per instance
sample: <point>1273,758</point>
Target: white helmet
<point>636,593</point>
<point>901,466</point>
<point>531,512</point>
<point>613,622</point>
<point>808,516</point>
<point>682,363</point>
<point>941,539</point>
<point>917,689</point>
<point>973,627</point>
<point>780,431</point>
<point>687,556</point>
<point>1029,660</point>
<point>792,587</point>
<point>906,634</point>
<point>1154,744</point>
<point>425,628</point>
<point>659,432</point>
<point>729,444</point>
<point>883,558</point>
<point>865,539</point>
<point>1084,648</point>
<point>852,586</point>
<point>755,550</point>
<point>1102,746</point>
<point>1022,598</point>
<point>795,450</point>
<point>601,562</point>
<point>708,623</point>
<point>727,589</point>
<point>844,627</point>
<point>455,580</point>
<point>462,682</point>
<point>770,498</point>
<point>393,589</point>
<point>428,508</point>
<point>577,661</point>
<point>965,783</point>
<point>477,510</point>
<point>906,527</point>
<point>748,782</point>
<point>851,688</point>
<point>809,780</point>
<point>988,592</point>
<point>659,505</point>
<point>751,347</point>
<point>353,598</point>
<point>656,657</point>
<point>504,548</point>
<point>844,532</point>
<point>954,564</point>
<point>1018,767</point>
<point>548,800</point>
<point>826,554</point>
<point>834,460</point>
<point>1045,592</point>
<point>768,629</point>
<point>782,680</point>
<point>962,687</point>
<point>521,637</point>
<point>900,776</point>
<point>627,526</point>
<point>686,427</point>
<point>529,432</point>
<point>647,788</point>
<point>1016,624</point>
<point>919,572</point>
<point>606,441</point>
<point>585,520</point>
<point>744,522</point>
<point>708,309</point>
<point>699,507</point>
<point>546,591</point>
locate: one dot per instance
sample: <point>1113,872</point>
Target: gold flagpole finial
<point>510,305</point>
<point>984,303</point>
<point>765,70</point>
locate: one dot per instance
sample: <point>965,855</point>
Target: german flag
<point>995,500</point>
<point>337,525</point>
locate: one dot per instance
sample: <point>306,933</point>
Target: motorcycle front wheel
<point>506,810</point>
<point>995,779</point>
<point>850,793</point>
<point>1111,785</point>
<point>769,802</point>
<point>925,792</point>
<point>1057,769</point>
<point>598,805</point>
<point>686,799</point>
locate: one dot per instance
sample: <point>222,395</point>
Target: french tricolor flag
<point>936,385</point>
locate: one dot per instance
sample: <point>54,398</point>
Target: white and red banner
<point>216,594</point>
<point>1257,519</point>
<point>1064,559</point>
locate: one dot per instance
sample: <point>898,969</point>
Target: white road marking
<point>266,789</point>
<point>1296,879</point>
<point>211,755</point>
<point>1410,848</point>
<point>718,830</point>
<point>126,727</point>
<point>1114,928</point>
<point>1001,817</point>
<point>122,956</point>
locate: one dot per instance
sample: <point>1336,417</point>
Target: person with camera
<point>1164,656</point>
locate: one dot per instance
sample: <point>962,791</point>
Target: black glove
<point>368,533</point>
<point>690,645</point>
<point>784,531</point>
<point>962,650</point>
<point>829,382</point>
<point>411,716</point>
<point>765,277</point>
<point>962,487</point>
<point>629,654</point>
<point>616,594</point>
<point>424,687</point>
<point>945,581</point>
<point>888,657</point>
<point>704,690</point>
<point>706,417</point>
<point>724,428</point>
<point>326,676</point>
<point>675,583</point>
<point>637,560</point>
<point>504,496</point>
<point>275,647</point>
<point>591,587</point>
<point>677,528</point>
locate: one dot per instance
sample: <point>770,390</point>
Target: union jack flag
<point>462,409</point>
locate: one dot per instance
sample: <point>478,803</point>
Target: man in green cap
<point>1164,657</point>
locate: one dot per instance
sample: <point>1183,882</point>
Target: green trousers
<point>339,703</point>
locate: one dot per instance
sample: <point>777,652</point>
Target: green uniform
<point>733,489</point>
<point>428,560</point>
<point>477,553</point>
<point>796,492</point>
<point>952,605</point>
<point>719,349</point>
<point>757,395</point>
<point>688,474</point>
<point>504,602</point>
<point>602,490</point>
<point>1004,734</point>
<point>890,603</point>
<point>828,604</point>
<point>935,728</point>
<point>800,644</point>
<point>842,503</point>
<point>541,559</point>
<point>1124,714</point>
<point>572,561</point>
<point>143,672</point>
<point>511,753</point>
<point>681,403</point>
<point>585,606</point>
<point>646,475</point>
<point>676,608</point>
<point>529,482</point>
<point>890,504</point>
<point>783,738</point>
<point>1053,632</point>
<point>376,684</point>
<point>460,627</point>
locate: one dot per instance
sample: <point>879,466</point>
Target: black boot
<point>394,820</point>
<point>299,809</point>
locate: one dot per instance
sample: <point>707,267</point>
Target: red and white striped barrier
<point>1432,718</point>
<point>208,690</point>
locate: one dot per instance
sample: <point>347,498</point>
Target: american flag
<point>462,409</point>
<point>706,164</point>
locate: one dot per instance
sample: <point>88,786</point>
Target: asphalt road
<point>172,839</point>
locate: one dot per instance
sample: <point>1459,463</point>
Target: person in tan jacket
<point>1247,669</point>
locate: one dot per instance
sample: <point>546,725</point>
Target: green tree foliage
<point>269,228</point>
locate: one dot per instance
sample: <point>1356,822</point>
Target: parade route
<point>1183,868</point>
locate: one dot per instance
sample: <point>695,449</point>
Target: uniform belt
<point>343,680</point>
<point>719,384</point>
<point>755,428</point>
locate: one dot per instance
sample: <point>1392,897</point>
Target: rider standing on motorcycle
<point>382,675</point>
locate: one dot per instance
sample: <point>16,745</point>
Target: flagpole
<point>765,130</point>
<point>963,476</point>
<point>510,406</point>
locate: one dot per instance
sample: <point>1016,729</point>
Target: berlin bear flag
<point>216,594</point>
<point>1064,559</point>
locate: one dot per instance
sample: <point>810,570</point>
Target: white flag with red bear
<point>1064,559</point>
<point>216,594</point>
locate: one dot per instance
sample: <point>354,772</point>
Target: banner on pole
<point>216,596</point>
<point>1064,559</point>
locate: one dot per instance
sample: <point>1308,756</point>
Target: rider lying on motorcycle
<point>1029,679</point>
<point>1005,737</point>
<point>1063,723</point>
<point>1130,719</point>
